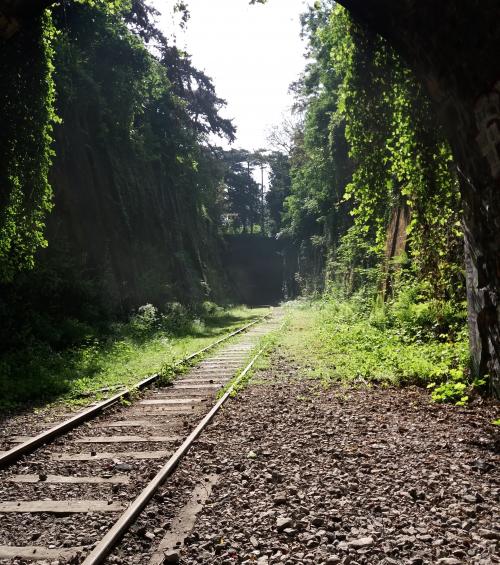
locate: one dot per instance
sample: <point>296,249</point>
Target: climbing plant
<point>400,153</point>
<point>27,97</point>
<point>135,210</point>
<point>370,145</point>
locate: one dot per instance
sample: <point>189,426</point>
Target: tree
<point>279,188</point>
<point>242,192</point>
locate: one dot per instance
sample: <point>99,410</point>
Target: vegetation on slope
<point>370,213</point>
<point>109,125</point>
<point>140,347</point>
<point>340,341</point>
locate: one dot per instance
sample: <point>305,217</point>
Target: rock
<point>332,560</point>
<point>172,557</point>
<point>280,498</point>
<point>336,518</point>
<point>448,561</point>
<point>489,534</point>
<point>317,521</point>
<point>277,477</point>
<point>149,536</point>
<point>251,455</point>
<point>254,542</point>
<point>123,467</point>
<point>283,523</point>
<point>360,543</point>
<point>482,465</point>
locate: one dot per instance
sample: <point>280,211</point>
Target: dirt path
<point>308,475</point>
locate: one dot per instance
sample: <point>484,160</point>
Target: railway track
<point>69,494</point>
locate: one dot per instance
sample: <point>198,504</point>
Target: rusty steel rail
<point>120,527</point>
<point>46,436</point>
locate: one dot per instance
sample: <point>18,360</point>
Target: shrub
<point>145,321</point>
<point>424,318</point>
<point>176,318</point>
<point>210,309</point>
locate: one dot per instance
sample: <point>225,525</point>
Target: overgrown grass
<point>39,374</point>
<point>334,341</point>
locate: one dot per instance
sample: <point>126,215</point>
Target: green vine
<point>27,96</point>
<point>400,155</point>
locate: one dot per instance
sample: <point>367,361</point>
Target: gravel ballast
<point>349,475</point>
<point>60,500</point>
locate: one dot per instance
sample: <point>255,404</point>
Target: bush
<point>347,344</point>
<point>176,318</point>
<point>35,373</point>
<point>145,321</point>
<point>210,309</point>
<point>423,318</point>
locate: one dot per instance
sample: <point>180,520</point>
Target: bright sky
<point>252,53</point>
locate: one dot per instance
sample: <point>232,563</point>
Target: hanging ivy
<point>27,99</point>
<point>399,152</point>
<point>370,147</point>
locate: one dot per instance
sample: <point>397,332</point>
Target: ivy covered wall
<point>27,102</point>
<point>110,193</point>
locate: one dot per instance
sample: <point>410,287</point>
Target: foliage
<point>315,215</point>
<point>241,191</point>
<point>137,200</point>
<point>456,388</point>
<point>369,146</point>
<point>279,189</point>
<point>424,317</point>
<point>453,390</point>
<point>135,182</point>
<point>340,342</point>
<point>369,150</point>
<point>144,113</point>
<point>116,358</point>
<point>27,99</point>
<point>355,265</point>
<point>400,153</point>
